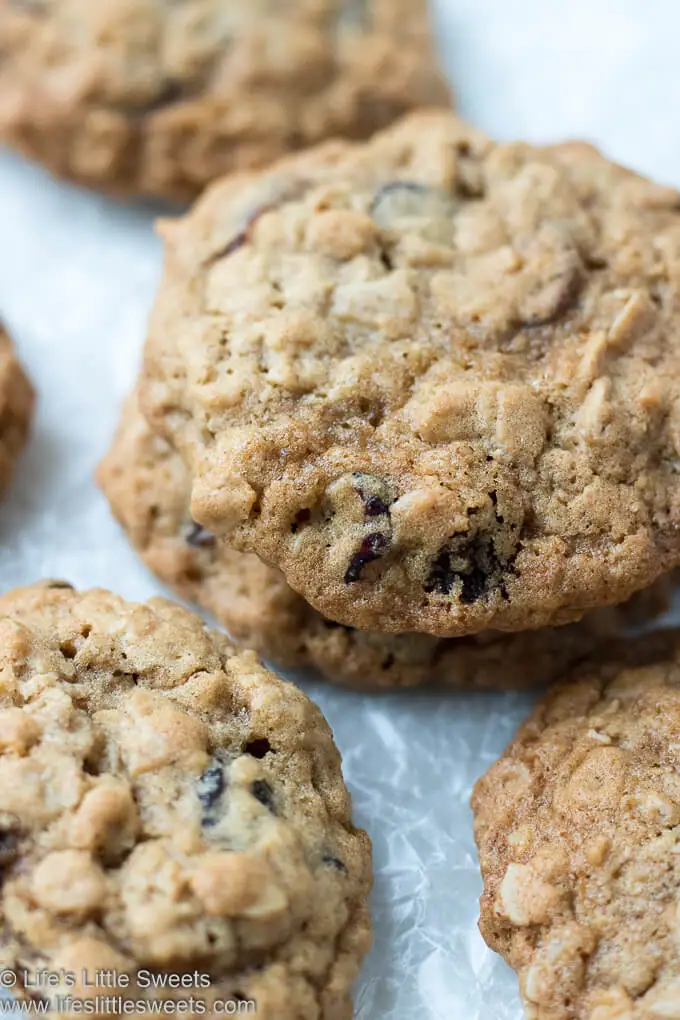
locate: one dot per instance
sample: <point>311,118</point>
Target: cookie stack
<point>408,405</point>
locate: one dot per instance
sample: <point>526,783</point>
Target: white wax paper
<point>77,277</point>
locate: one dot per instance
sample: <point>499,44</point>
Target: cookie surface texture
<point>433,379</point>
<point>578,829</point>
<point>168,804</point>
<point>159,97</point>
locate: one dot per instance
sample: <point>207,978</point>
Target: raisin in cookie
<point>16,407</point>
<point>578,828</point>
<point>147,485</point>
<point>166,803</point>
<point>435,380</point>
<point>158,97</point>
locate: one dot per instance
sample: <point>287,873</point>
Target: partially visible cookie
<point>147,485</point>
<point>168,804</point>
<point>16,407</point>
<point>159,97</point>
<point>435,380</point>
<point>578,829</point>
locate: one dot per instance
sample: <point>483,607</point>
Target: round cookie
<point>147,485</point>
<point>578,829</point>
<point>16,408</point>
<point>159,97</point>
<point>167,804</point>
<point>433,379</point>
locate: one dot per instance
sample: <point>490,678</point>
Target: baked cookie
<point>168,804</point>
<point>16,408</point>
<point>578,828</point>
<point>433,379</point>
<point>148,487</point>
<point>159,97</point>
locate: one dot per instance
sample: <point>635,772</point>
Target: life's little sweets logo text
<point>106,992</point>
<point>106,979</point>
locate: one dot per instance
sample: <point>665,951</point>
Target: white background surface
<point>77,275</point>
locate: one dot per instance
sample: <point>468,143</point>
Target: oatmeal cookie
<point>435,380</point>
<point>167,804</point>
<point>159,97</point>
<point>578,829</point>
<point>147,485</point>
<point>16,408</point>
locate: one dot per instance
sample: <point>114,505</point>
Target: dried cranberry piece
<point>442,578</point>
<point>199,537</point>
<point>262,791</point>
<point>295,190</point>
<point>375,507</point>
<point>243,236</point>
<point>211,787</point>
<point>334,862</point>
<point>9,847</point>
<point>477,577</point>
<point>371,549</point>
<point>474,586</point>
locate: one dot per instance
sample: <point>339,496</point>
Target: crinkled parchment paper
<point>77,276</point>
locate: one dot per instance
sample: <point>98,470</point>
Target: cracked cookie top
<point>159,97</point>
<point>16,408</point>
<point>166,803</point>
<point>147,485</point>
<point>433,379</point>
<point>578,829</point>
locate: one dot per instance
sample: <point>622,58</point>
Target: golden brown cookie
<point>433,379</point>
<point>169,805</point>
<point>578,829</point>
<point>16,408</point>
<point>159,97</point>
<point>147,485</point>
